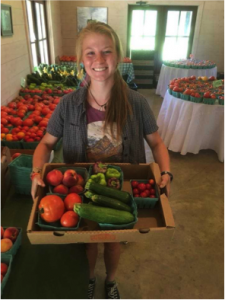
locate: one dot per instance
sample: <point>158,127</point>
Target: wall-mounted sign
<point>6,20</point>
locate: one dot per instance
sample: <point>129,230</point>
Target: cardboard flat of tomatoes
<point>7,259</point>
<point>81,171</point>
<point>56,226</point>
<point>145,202</point>
<point>15,246</point>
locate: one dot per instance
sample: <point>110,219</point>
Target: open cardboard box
<point>154,224</point>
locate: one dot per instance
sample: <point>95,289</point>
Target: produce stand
<point>154,224</point>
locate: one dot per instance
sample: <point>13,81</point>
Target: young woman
<point>103,121</point>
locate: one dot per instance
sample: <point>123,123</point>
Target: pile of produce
<point>202,88</point>
<point>66,58</point>
<point>190,64</point>
<point>53,209</point>
<point>47,88</point>
<point>106,175</point>
<point>62,74</point>
<point>26,118</point>
<point>8,238</point>
<point>108,205</point>
<point>65,183</point>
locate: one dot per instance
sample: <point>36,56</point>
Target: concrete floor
<point>191,265</point>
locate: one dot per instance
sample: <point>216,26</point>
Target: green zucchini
<point>103,214</point>
<point>89,194</point>
<point>108,192</point>
<point>109,202</point>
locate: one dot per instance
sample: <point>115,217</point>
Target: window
<point>36,12</point>
<point>167,31</point>
<point>178,29</point>
<point>143,30</point>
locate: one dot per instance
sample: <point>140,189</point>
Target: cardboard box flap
<point>156,171</point>
<point>167,212</point>
<point>31,222</point>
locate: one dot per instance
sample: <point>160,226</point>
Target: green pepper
<point>98,178</point>
<point>112,173</point>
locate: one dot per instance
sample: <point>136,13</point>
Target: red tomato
<point>3,268</point>
<point>136,195</point>
<point>152,191</point>
<point>51,208</point>
<point>141,187</point>
<point>70,200</point>
<point>134,184</point>
<point>143,195</point>
<point>152,196</point>
<point>213,96</point>
<point>151,181</point>
<point>176,89</point>
<point>148,186</point>
<point>147,192</point>
<point>135,191</point>
<point>197,95</point>
<point>206,95</point>
<point>69,219</point>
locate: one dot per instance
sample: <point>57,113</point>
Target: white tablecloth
<point>169,73</point>
<point>190,127</point>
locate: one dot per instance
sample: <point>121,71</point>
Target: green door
<point>157,33</point>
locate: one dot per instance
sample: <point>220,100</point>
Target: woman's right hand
<point>35,182</point>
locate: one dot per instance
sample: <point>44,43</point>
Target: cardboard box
<point>157,223</point>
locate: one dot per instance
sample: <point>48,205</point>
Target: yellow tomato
<point>9,137</point>
<point>2,135</point>
<point>204,78</point>
<point>20,134</point>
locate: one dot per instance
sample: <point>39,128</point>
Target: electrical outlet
<point>23,82</point>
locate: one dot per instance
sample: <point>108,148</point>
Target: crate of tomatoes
<point>145,192</point>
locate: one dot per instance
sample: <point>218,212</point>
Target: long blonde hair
<point>118,107</point>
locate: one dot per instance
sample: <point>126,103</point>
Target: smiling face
<point>99,57</point>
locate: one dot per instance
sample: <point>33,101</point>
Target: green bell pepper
<point>112,173</point>
<point>98,178</point>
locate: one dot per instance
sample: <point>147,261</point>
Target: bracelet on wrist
<point>33,174</point>
<point>170,174</point>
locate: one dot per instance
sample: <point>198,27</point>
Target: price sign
<point>217,83</point>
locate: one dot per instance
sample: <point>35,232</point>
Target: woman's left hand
<point>165,182</point>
